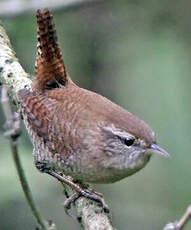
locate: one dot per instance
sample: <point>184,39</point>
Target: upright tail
<point>50,71</point>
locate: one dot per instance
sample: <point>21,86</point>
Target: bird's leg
<point>79,190</point>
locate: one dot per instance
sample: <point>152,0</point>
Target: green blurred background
<point>138,54</point>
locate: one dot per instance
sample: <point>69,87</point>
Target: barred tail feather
<point>50,71</point>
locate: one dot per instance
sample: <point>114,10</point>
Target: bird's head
<point>129,148</point>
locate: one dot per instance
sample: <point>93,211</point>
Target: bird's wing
<point>39,112</point>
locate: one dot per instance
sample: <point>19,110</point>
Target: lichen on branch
<point>11,71</point>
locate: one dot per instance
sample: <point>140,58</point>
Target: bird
<point>76,132</point>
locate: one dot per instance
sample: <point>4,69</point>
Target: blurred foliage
<point>138,54</point>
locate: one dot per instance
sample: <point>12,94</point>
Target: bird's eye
<point>52,85</point>
<point>129,141</point>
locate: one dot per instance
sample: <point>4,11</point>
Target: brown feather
<point>50,70</point>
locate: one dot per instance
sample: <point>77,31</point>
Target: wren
<point>77,132</point>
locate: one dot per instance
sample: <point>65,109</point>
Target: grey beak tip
<point>160,150</point>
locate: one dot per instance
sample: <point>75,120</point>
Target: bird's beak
<point>158,150</point>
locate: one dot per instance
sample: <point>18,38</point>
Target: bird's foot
<point>88,193</point>
<point>80,191</point>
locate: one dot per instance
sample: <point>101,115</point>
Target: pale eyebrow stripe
<point>115,131</point>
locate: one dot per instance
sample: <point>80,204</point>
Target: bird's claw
<point>67,204</point>
<point>95,196</point>
<point>90,194</point>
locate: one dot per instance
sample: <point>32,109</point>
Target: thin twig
<point>179,225</point>
<point>13,126</point>
<point>185,218</point>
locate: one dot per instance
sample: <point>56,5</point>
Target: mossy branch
<point>11,71</point>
